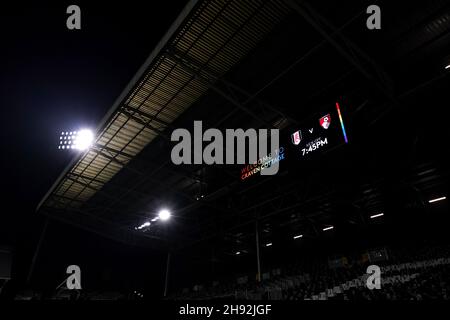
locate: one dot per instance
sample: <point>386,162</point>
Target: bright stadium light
<point>437,199</point>
<point>298,236</point>
<point>83,139</point>
<point>79,140</point>
<point>142,226</point>
<point>328,228</point>
<point>269,244</point>
<point>376,215</point>
<point>238,253</point>
<point>164,215</point>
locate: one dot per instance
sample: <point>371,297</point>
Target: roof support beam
<point>196,68</point>
<point>112,150</point>
<point>146,124</point>
<point>213,86</point>
<point>127,110</point>
<point>349,50</point>
<point>114,232</point>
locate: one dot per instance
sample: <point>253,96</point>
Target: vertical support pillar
<point>258,261</point>
<point>166,284</point>
<point>36,252</point>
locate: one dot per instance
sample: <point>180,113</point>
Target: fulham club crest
<point>325,121</point>
<point>296,137</point>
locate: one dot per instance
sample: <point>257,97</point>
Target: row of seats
<point>406,270</point>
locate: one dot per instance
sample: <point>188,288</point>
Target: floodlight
<point>164,215</point>
<point>328,228</point>
<point>376,215</point>
<point>298,236</point>
<point>268,244</point>
<point>80,140</point>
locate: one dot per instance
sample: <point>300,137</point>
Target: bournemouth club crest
<point>296,137</point>
<point>325,121</point>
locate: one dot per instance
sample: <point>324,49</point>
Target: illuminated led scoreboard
<point>312,138</point>
<point>322,132</point>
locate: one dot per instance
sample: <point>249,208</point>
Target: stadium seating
<point>420,275</point>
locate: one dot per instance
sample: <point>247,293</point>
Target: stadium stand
<point>405,276</point>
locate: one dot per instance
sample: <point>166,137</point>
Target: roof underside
<point>214,34</point>
<point>242,64</point>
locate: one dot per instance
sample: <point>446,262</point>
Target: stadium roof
<point>214,34</point>
<point>236,64</point>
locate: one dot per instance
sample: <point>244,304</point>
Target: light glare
<point>84,139</point>
<point>164,215</point>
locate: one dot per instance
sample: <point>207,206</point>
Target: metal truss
<point>356,56</point>
<point>234,94</point>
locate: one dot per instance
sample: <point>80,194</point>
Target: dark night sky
<point>54,79</point>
